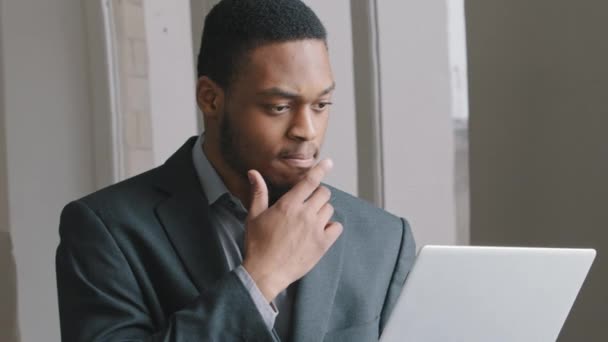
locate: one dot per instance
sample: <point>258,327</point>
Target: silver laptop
<point>477,294</point>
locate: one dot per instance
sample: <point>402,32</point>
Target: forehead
<point>300,66</point>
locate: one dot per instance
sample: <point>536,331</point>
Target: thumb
<point>259,193</point>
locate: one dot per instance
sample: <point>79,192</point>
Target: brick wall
<point>134,86</point>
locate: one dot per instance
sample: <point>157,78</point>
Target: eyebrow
<point>276,91</point>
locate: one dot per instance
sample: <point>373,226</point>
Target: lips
<point>301,157</point>
<point>302,161</point>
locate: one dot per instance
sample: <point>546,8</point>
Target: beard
<point>234,152</point>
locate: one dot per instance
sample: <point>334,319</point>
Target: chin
<point>282,181</point>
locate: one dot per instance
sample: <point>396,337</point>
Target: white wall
<point>172,76</point>
<point>417,105</point>
<point>47,131</point>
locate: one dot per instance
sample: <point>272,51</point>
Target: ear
<point>210,97</point>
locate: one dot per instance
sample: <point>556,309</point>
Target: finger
<point>311,181</point>
<point>318,199</point>
<point>325,214</point>
<point>259,193</point>
<point>333,230</point>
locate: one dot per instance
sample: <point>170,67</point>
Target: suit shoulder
<point>138,189</point>
<point>357,210</point>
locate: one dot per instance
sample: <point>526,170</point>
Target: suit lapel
<point>315,293</point>
<point>185,218</point>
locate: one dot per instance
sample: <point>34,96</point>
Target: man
<point>235,238</point>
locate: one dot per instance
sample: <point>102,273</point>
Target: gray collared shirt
<point>227,215</point>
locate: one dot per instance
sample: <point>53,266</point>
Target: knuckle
<point>328,209</point>
<point>336,227</point>
<point>258,191</point>
<point>325,191</point>
<point>309,216</point>
<point>283,206</point>
<point>312,179</point>
<point>339,230</point>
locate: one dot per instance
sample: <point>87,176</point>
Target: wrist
<point>268,284</point>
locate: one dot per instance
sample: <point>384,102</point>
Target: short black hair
<point>235,27</point>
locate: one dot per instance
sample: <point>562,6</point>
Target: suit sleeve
<point>405,261</point>
<point>100,300</point>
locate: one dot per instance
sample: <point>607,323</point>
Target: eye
<point>278,109</point>
<point>321,106</point>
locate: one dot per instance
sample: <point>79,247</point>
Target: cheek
<point>269,129</point>
<point>260,137</point>
<point>323,123</point>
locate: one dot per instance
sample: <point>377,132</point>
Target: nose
<point>303,125</point>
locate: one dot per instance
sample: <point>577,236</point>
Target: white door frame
<point>107,142</point>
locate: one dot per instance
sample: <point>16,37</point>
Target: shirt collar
<point>213,186</point>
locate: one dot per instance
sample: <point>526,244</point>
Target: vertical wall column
<point>368,105</point>
<point>8,285</point>
<point>415,69</point>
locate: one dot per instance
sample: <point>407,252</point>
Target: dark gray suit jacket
<point>139,261</point>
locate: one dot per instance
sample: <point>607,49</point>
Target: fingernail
<point>330,163</point>
<point>250,177</point>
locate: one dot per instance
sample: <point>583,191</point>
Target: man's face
<point>276,111</point>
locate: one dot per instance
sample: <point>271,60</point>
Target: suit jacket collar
<point>184,215</point>
<point>212,184</point>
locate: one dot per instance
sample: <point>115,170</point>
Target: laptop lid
<point>488,294</point>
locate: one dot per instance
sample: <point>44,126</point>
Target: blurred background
<point>481,121</point>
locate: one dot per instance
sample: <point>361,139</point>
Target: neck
<point>236,183</point>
